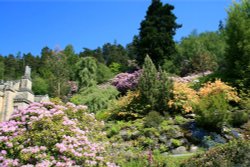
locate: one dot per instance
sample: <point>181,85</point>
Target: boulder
<point>163,138</point>
<point>179,150</point>
<point>193,149</point>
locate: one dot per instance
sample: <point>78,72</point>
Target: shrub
<point>40,86</point>
<point>235,153</point>
<point>126,107</point>
<point>153,119</point>
<point>126,81</point>
<point>95,98</point>
<point>103,73</point>
<point>45,134</point>
<point>218,87</point>
<point>183,98</point>
<point>212,112</point>
<point>86,72</point>
<point>239,117</point>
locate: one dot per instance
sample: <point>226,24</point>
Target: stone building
<point>17,94</point>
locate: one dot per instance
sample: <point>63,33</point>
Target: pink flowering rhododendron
<point>45,134</point>
<point>126,81</point>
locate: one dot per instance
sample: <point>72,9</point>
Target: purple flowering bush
<point>45,134</point>
<point>126,81</point>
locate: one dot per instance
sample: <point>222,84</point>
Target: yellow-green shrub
<point>183,97</point>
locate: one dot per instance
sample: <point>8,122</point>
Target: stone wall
<point>17,94</point>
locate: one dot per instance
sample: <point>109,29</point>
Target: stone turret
<point>24,95</point>
<point>26,84</point>
<point>17,94</point>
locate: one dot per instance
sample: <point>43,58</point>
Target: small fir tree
<point>154,87</point>
<point>148,84</point>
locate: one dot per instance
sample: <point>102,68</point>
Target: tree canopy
<point>156,34</point>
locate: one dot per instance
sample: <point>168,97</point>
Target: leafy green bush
<point>95,98</point>
<point>233,154</point>
<point>213,112</point>
<point>103,73</point>
<point>40,86</point>
<point>239,117</point>
<point>153,119</point>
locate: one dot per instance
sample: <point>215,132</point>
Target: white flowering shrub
<point>45,134</point>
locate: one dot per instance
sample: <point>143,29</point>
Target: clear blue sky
<point>28,26</point>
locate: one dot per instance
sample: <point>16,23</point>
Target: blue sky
<point>28,26</point>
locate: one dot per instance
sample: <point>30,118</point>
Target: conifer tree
<point>148,84</point>
<point>156,34</point>
<point>154,87</point>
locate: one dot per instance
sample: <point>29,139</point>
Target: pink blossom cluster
<point>126,81</point>
<point>72,149</point>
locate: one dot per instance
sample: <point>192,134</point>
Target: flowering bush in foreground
<point>46,134</point>
<point>126,81</point>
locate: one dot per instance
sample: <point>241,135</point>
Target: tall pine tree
<point>156,34</point>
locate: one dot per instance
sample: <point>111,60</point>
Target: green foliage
<point>176,142</point>
<point>115,53</point>
<point>95,98</point>
<point>180,120</point>
<point>238,42</point>
<point>103,73</point>
<point>170,67</point>
<point>165,87</point>
<point>200,52</point>
<point>154,89</point>
<point>86,72</point>
<point>235,153</point>
<point>156,34</point>
<point>148,84</point>
<point>40,86</point>
<point>115,67</point>
<point>213,112</point>
<point>72,59</point>
<point>239,117</point>
<point>153,119</point>
<point>1,69</point>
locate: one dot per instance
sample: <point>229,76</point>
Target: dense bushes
<point>213,112</point>
<point>52,135</point>
<point>183,98</point>
<point>96,98</point>
<point>233,154</point>
<point>126,81</point>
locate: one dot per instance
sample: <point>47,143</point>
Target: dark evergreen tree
<point>156,34</point>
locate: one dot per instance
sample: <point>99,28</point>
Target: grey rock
<point>193,149</point>
<point>135,134</point>
<point>124,134</point>
<point>165,154</point>
<point>179,150</point>
<point>191,116</point>
<point>184,141</point>
<point>163,138</point>
<point>169,144</point>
